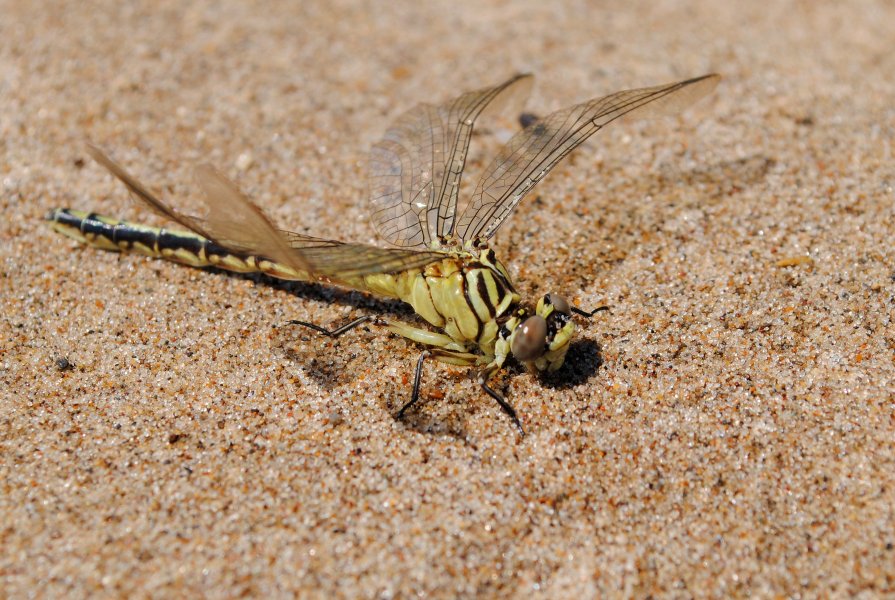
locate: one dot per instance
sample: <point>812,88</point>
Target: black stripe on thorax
<point>492,265</point>
<point>482,289</point>
<point>469,305</point>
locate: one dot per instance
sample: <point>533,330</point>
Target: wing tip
<point>97,154</point>
<point>707,83</point>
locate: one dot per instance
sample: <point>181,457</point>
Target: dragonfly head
<point>542,339</point>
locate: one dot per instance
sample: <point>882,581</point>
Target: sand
<point>726,429</point>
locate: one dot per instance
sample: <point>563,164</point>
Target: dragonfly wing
<point>415,169</point>
<point>534,151</point>
<point>235,223</point>
<point>340,261</point>
<point>143,194</point>
<point>232,221</point>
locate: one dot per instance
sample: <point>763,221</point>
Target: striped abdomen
<point>170,244</point>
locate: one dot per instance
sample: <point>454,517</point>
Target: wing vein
<point>533,152</point>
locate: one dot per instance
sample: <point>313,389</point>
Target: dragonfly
<point>439,260</point>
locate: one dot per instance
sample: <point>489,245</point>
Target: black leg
<point>416,384</point>
<point>335,332</point>
<point>587,314</point>
<point>503,404</point>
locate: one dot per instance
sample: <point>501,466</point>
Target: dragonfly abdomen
<point>170,244</point>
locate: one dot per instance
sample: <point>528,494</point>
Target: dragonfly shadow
<point>327,294</point>
<point>724,178</point>
<point>584,359</point>
<point>433,414</point>
<point>333,362</point>
<point>439,416</point>
<point>330,361</point>
<point>451,415</point>
<point>330,367</point>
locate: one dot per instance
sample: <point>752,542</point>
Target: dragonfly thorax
<point>465,295</point>
<point>452,243</point>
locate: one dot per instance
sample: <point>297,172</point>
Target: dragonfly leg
<point>415,334</point>
<point>484,375</point>
<point>337,331</point>
<point>446,356</point>
<point>418,375</point>
<point>586,313</point>
<point>424,336</point>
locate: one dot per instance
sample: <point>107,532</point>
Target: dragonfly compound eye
<point>559,303</point>
<point>530,339</point>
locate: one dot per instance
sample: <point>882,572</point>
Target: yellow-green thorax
<point>465,295</point>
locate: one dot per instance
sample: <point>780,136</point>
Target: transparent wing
<point>415,169</point>
<point>232,220</point>
<point>235,223</point>
<point>338,261</point>
<point>534,151</point>
<point>142,192</point>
